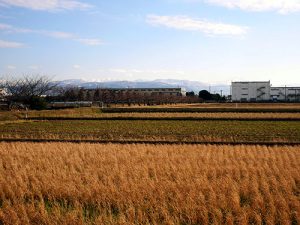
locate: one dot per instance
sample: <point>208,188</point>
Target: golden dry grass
<point>169,115</point>
<point>218,105</point>
<point>243,105</point>
<point>96,113</point>
<point>63,183</point>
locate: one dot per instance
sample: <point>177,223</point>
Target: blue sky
<point>212,41</point>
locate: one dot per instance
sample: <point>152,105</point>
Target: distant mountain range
<point>195,86</point>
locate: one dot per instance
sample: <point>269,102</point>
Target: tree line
<point>36,91</point>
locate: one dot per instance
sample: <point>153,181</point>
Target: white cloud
<point>190,24</point>
<point>138,71</point>
<point>34,67</point>
<point>90,41</point>
<point>46,5</point>
<point>5,26</point>
<point>280,6</point>
<point>76,67</point>
<point>54,34</point>
<point>11,67</point>
<point>10,29</point>
<point>143,74</point>
<point>119,70</point>
<point>10,44</point>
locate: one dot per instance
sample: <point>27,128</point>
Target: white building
<point>250,91</point>
<point>255,91</point>
<point>285,94</point>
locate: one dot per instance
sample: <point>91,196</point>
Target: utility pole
<point>285,93</point>
<point>26,113</point>
<point>221,93</point>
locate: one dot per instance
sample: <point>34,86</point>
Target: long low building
<point>262,91</point>
<point>146,91</point>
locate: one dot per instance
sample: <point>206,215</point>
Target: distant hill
<point>195,86</point>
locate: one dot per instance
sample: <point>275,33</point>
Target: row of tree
<point>111,96</point>
<point>36,91</point>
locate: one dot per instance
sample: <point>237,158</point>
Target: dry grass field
<point>96,112</point>
<point>57,183</point>
<point>218,105</point>
<point>68,183</point>
<point>83,114</point>
<point>244,105</point>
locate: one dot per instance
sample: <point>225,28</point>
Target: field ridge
<point>154,142</point>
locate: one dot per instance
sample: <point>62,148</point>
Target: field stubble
<point>162,130</point>
<point>96,113</point>
<point>57,183</point>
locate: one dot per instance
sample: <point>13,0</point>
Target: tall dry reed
<point>63,183</point>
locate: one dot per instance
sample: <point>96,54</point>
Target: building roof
<point>287,87</point>
<point>139,89</point>
<point>246,82</point>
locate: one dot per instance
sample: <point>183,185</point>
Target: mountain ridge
<point>188,85</point>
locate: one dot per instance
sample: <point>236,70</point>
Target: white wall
<point>285,93</point>
<point>251,91</point>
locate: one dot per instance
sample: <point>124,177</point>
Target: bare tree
<point>97,95</point>
<point>28,89</point>
<point>28,86</point>
<point>70,94</point>
<point>81,95</point>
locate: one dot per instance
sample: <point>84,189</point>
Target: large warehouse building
<point>257,91</point>
<point>250,91</point>
<point>146,91</point>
